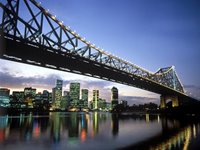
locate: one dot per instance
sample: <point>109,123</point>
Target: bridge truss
<point>26,21</point>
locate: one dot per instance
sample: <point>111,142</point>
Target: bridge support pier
<point>164,98</point>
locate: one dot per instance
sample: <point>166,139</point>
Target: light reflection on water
<point>96,131</point>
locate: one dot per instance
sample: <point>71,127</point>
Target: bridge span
<point>39,38</point>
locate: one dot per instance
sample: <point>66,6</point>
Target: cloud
<point>192,87</point>
<point>193,91</point>
<point>11,81</point>
<point>139,100</point>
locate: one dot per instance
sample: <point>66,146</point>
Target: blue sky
<point>149,33</point>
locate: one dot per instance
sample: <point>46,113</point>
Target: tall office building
<point>59,84</point>
<point>29,96</point>
<point>4,97</point>
<point>65,103</point>
<point>84,97</point>
<point>18,96</point>
<point>114,94</point>
<point>114,97</point>
<point>29,92</point>
<point>45,95</point>
<point>95,99</point>
<point>57,94</point>
<point>75,94</point>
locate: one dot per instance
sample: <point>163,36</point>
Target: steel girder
<point>40,27</point>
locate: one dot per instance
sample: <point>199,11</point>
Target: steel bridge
<point>30,34</point>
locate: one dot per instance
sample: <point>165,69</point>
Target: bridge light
<point>39,3</point>
<point>60,23</point>
<point>53,17</point>
<point>47,10</point>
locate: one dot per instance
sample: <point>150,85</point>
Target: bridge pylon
<point>173,98</point>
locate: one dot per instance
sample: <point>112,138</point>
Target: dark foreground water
<point>103,131</point>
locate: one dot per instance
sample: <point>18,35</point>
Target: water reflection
<point>90,130</point>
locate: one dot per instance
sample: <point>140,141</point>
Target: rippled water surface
<point>63,131</point>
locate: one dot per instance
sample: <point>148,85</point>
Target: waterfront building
<point>29,92</point>
<point>4,97</point>
<point>59,84</point>
<point>17,100</point>
<point>124,103</point>
<point>75,94</point>
<point>91,104</point>
<point>65,103</point>
<point>84,98</point>
<point>18,96</point>
<point>29,96</point>
<point>57,94</point>
<point>45,95</point>
<point>108,106</point>
<point>114,97</point>
<point>50,97</point>
<point>102,104</point>
<point>95,99</point>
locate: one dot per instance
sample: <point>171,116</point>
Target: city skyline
<point>152,36</point>
<point>82,90</point>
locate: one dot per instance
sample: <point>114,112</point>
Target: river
<point>85,131</point>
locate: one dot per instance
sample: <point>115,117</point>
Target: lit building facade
<point>102,104</point>
<point>57,94</point>
<point>29,92</point>
<point>75,94</point>
<point>114,97</point>
<point>4,97</point>
<point>95,99</point>
<point>84,97</point>
<point>65,103</point>
<point>45,95</point>
<point>18,96</point>
<point>29,96</point>
<point>59,84</point>
<point>17,100</point>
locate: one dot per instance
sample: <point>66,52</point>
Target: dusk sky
<point>149,33</point>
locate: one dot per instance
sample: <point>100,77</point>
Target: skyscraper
<point>84,97</point>
<point>18,96</point>
<point>57,94</point>
<point>114,97</point>
<point>29,92</point>
<point>95,99</point>
<point>114,94</point>
<point>29,96</point>
<point>59,84</point>
<point>4,97</point>
<point>75,94</point>
<point>65,103</point>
